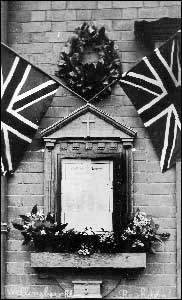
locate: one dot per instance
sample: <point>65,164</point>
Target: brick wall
<point>38,30</point>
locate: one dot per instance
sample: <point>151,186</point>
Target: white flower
<point>84,250</point>
<point>42,232</point>
<point>88,231</point>
<point>129,231</point>
<point>28,214</point>
<point>32,223</point>
<point>138,243</point>
<point>40,212</point>
<point>57,232</point>
<point>90,29</point>
<point>123,237</point>
<point>26,226</point>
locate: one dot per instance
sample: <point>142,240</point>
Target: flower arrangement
<point>142,233</point>
<point>90,78</point>
<point>47,235</point>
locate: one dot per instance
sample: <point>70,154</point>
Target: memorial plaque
<point>87,194</point>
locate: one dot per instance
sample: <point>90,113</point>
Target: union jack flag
<point>154,87</point>
<point>26,93</point>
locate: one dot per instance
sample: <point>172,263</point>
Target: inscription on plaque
<point>87,194</point>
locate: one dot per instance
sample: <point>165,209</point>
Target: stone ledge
<point>103,260</point>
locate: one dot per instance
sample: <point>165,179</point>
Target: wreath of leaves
<point>90,78</point>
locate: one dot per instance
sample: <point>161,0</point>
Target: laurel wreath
<point>90,78</point>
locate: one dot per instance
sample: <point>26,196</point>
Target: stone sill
<point>102,260</point>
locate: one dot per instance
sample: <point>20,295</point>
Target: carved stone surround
<point>88,132</point>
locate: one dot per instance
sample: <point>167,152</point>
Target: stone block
<point>107,14</point>
<point>71,25</point>
<point>29,5</point>
<point>15,256</point>
<point>82,4</point>
<point>123,4</point>
<point>139,177</point>
<point>127,46</point>
<point>129,13</point>
<point>158,280</point>
<point>174,11</point>
<point>33,48</point>
<point>37,16</point>
<point>104,4</point>
<point>139,155</point>
<point>14,27</point>
<point>155,188</point>
<point>127,36</point>
<point>155,12</point>
<point>168,223</point>
<point>157,211</point>
<point>83,14</point>
<point>151,3</point>
<point>33,156</point>
<point>16,38</point>
<point>62,15</point>
<point>107,24</point>
<point>58,4</point>
<point>57,37</point>
<point>169,3</point>
<point>25,189</point>
<point>139,166</point>
<point>22,178</point>
<point>96,260</point>
<point>153,167</point>
<point>161,177</point>
<point>14,245</point>
<point>129,56</point>
<point>170,246</point>
<point>37,37</point>
<point>15,268</point>
<point>36,26</point>
<point>19,16</point>
<point>156,268</point>
<point>13,279</point>
<point>28,201</point>
<point>58,26</point>
<point>170,268</point>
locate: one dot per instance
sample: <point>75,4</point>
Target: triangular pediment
<point>88,122</point>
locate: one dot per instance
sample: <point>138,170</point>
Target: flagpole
<point>51,76</point>
<point>3,233</point>
<point>4,13</point>
<point>102,90</point>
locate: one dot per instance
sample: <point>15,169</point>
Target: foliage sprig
<point>46,234</point>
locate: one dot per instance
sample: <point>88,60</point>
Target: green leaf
<point>25,218</point>
<point>50,218</point>
<point>18,226</point>
<point>60,227</point>
<point>34,210</point>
